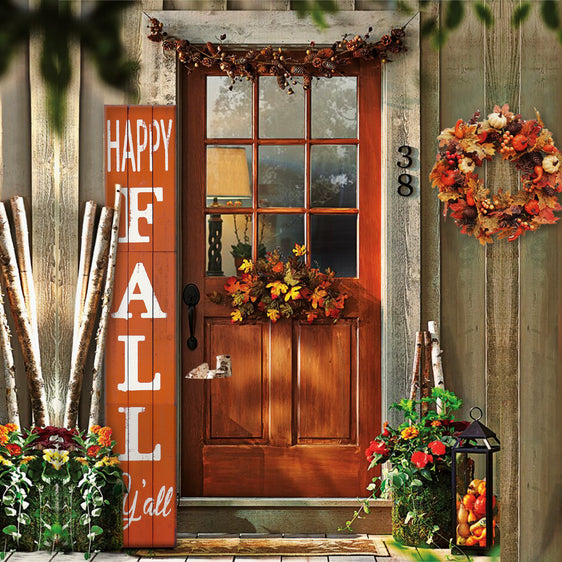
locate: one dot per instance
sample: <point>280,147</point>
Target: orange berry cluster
<point>506,147</point>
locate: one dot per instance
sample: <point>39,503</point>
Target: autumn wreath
<point>528,145</point>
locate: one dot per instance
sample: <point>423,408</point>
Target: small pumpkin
<point>448,177</point>
<point>532,207</point>
<point>497,120</point>
<point>550,163</point>
<point>467,165</point>
<point>520,142</point>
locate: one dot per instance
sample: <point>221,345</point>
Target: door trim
<point>277,502</point>
<point>400,112</point>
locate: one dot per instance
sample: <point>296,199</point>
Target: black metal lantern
<point>475,505</point>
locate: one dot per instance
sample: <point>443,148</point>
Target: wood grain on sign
<point>141,346</point>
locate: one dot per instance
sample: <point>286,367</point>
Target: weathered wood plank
<point>116,557</point>
<point>54,191</point>
<point>463,319</point>
<point>503,60</point>
<point>541,313</point>
<point>40,556</point>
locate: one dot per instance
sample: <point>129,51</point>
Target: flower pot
<point>433,500</point>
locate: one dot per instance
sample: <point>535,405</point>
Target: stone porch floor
<point>395,554</point>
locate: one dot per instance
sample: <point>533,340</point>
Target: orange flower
<point>409,432</point>
<point>104,436</point>
<point>436,423</point>
<point>95,428</point>
<point>93,450</point>
<point>13,449</point>
<point>3,435</point>
<point>11,427</point>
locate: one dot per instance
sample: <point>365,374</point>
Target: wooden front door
<point>265,170</point>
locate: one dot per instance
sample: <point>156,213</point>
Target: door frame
<point>400,113</point>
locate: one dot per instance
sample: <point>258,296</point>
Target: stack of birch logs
<point>94,286</point>
<point>427,357</point>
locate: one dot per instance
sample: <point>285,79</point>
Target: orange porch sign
<point>140,371</point>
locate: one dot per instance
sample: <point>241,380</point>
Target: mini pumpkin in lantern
<point>475,505</point>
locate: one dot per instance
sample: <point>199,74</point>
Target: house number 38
<point>405,187</point>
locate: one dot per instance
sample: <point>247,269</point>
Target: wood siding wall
<point>500,307</point>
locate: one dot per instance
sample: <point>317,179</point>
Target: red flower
<point>385,431</point>
<point>376,448</point>
<point>13,449</point>
<point>437,447</point>
<point>421,459</point>
<point>93,450</point>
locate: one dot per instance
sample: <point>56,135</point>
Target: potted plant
<point>418,479</point>
<point>242,250</point>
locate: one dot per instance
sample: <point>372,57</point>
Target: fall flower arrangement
<point>59,489</point>
<point>274,288</point>
<point>419,476</point>
<point>528,145</point>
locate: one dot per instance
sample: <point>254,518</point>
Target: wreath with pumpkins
<point>526,144</point>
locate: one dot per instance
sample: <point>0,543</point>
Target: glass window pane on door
<point>280,232</point>
<point>229,112</point>
<point>333,242</point>
<point>281,116</point>
<point>334,107</point>
<point>229,176</point>
<point>281,176</point>
<point>333,176</point>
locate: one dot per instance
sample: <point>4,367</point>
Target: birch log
<point>97,379</point>
<point>97,270</point>
<point>24,262</point>
<point>437,365</point>
<point>416,369</point>
<point>425,371</point>
<point>9,367</point>
<point>30,352</point>
<point>88,223</point>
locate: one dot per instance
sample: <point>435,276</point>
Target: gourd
<point>497,120</point>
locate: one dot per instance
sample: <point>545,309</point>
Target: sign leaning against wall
<point>140,155</point>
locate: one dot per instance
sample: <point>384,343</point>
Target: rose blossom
<point>437,447</point>
<point>376,447</point>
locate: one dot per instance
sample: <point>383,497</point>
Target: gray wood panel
<point>54,227</point>
<point>463,317</point>
<point>503,60</point>
<point>541,314</point>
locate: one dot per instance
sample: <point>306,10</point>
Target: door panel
<point>303,401</point>
<point>325,382</point>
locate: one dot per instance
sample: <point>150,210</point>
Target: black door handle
<point>191,298</point>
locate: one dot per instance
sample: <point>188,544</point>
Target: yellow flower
<point>299,250</point>
<point>82,460</point>
<point>11,427</point>
<point>273,314</point>
<point>107,461</point>
<point>25,460</point>
<point>277,288</point>
<point>293,293</point>
<point>55,457</point>
<point>246,266</point>
<point>236,316</point>
<point>5,462</point>
<point>95,428</point>
<point>409,432</point>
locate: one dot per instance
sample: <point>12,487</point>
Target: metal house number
<point>405,187</point>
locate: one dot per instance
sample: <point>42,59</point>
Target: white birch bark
<point>24,261</point>
<point>88,223</point>
<point>416,368</point>
<point>425,383</point>
<point>437,365</point>
<point>9,366</point>
<point>97,270</point>
<point>30,349</point>
<point>97,375</point>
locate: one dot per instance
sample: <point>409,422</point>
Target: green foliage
<point>549,13</point>
<point>520,14</point>
<point>484,14</point>
<point>316,9</point>
<point>454,14</point>
<point>60,29</point>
